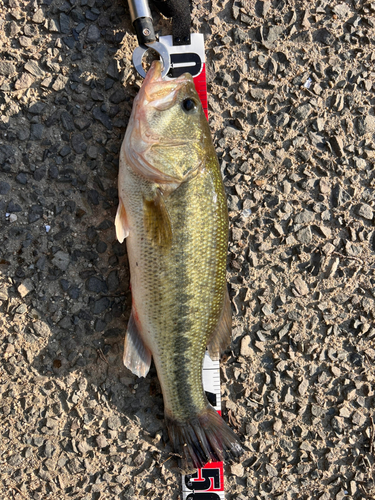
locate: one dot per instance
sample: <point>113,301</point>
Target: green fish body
<point>174,216</point>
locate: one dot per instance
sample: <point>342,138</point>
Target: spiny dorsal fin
<point>221,336</point>
<point>137,356</point>
<point>157,221</point>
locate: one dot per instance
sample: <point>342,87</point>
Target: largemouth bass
<point>173,213</point>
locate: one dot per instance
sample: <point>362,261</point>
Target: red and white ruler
<point>189,59</point>
<point>207,483</point>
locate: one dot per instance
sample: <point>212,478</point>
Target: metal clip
<point>158,47</point>
<point>142,21</point>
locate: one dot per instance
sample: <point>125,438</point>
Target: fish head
<point>168,132</point>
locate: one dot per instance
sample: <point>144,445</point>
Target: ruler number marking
<point>205,483</point>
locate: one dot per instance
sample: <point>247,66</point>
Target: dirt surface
<point>291,102</point>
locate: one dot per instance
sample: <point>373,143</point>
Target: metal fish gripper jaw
<point>142,21</point>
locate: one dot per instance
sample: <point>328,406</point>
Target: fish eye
<point>189,105</point>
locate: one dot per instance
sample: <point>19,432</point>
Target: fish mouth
<point>158,93</point>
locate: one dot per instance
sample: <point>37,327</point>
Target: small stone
<point>38,17</point>
<point>101,441</point>
<point>365,211</point>
<point>303,386</point>
<point>84,447</point>
<point>303,111</point>
<point>328,248</point>
<point>53,26</point>
<point>324,36</point>
<point>67,121</point>
<point>366,125</point>
<point>338,424</point>
<point>7,68</point>
<point>34,68</point>
<point>92,152</point>
<point>304,235</point>
<point>37,108</point>
<point>13,207</point>
<point>271,470</point>
<point>339,196</point>
<point>93,197</point>
<point>60,82</point>
<point>345,412</point>
<point>25,287</point>
<point>114,422</point>
<point>264,7</point>
<point>304,217</point>
<point>21,178</point>
<point>82,123</point>
<point>4,187</point>
<point>25,41</point>
<point>237,470</point>
<point>258,94</point>
<point>78,143</point>
<point>239,36</point>
<point>118,96</point>
<point>301,287</point>
<point>277,425</point>
<point>358,418</point>
<point>341,494</point>
<point>98,55</point>
<point>64,23</point>
<point>102,117</point>
<point>317,411</point>
<point>352,249</point>
<point>36,131</point>
<point>47,82</point>
<point>332,267</point>
<point>113,69</point>
<point>246,349</point>
<point>273,33</point>
<point>69,41</point>
<point>24,82</point>
<point>337,145</point>
<point>93,34</point>
<point>96,285</point>
<point>101,246</point>
<point>61,260</point>
<point>74,292</point>
<point>341,10</point>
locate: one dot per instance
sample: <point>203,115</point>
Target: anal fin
<point>137,356</point>
<point>221,336</point>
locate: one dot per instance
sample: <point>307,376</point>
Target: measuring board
<point>189,59</point>
<point>207,483</point>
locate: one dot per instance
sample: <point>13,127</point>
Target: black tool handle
<point>145,30</point>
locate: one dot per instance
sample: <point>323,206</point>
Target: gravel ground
<point>291,102</point>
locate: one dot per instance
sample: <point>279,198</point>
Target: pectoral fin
<point>137,356</point>
<point>157,221</point>
<point>121,223</point>
<point>221,336</point>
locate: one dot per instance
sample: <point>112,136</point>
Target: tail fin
<point>202,439</point>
